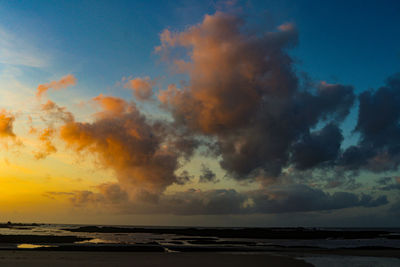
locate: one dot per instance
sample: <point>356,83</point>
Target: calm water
<point>169,239</point>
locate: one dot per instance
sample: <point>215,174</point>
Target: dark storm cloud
<point>298,198</point>
<point>379,128</point>
<point>243,91</point>
<point>275,199</point>
<point>108,193</point>
<point>207,175</point>
<point>184,178</point>
<point>395,208</point>
<point>384,180</point>
<point>389,183</point>
<point>317,147</point>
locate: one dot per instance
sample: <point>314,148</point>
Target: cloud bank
<point>245,105</point>
<point>276,199</point>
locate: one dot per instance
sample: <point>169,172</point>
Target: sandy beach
<point>61,258</point>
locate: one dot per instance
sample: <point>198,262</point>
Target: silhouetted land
<point>19,225</point>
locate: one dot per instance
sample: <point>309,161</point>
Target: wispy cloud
<point>64,82</point>
<point>15,50</point>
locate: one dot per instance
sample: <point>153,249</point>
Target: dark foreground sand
<point>69,258</point>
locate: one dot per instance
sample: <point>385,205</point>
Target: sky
<point>204,113</point>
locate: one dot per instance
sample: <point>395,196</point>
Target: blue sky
<point>106,40</point>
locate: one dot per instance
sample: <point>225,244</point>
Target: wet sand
<point>68,258</point>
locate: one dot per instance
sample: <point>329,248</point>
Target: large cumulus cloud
<point>243,91</point>
<point>244,103</point>
<point>139,151</point>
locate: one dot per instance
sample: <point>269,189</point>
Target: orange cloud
<point>64,82</point>
<point>48,148</point>
<point>226,71</point>
<point>122,139</point>
<point>53,115</point>
<point>56,113</point>
<point>6,124</point>
<point>111,105</point>
<point>166,97</point>
<point>243,92</point>
<point>142,87</point>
